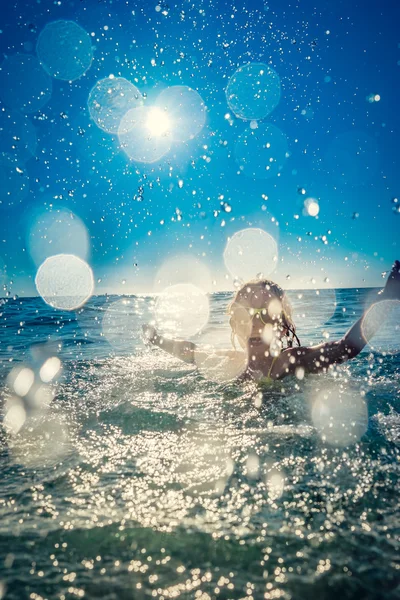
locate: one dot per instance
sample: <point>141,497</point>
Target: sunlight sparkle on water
<point>45,441</point>
<point>182,310</point>
<point>120,323</point>
<point>218,367</point>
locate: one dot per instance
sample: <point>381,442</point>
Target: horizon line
<point>149,294</point>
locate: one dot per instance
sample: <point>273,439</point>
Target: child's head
<point>260,311</point>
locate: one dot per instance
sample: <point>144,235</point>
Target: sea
<point>127,474</point>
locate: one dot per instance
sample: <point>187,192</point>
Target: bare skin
<point>251,334</point>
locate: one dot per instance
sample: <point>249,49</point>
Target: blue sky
<point>342,147</point>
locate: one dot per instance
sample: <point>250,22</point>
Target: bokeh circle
<point>64,281</point>
<point>121,323</point>
<point>220,366</point>
<point>381,327</point>
<point>58,231</point>
<point>251,253</point>
<point>253,91</point>
<point>182,310</point>
<point>65,50</point>
<point>340,415</point>
<point>110,99</point>
<point>183,268</point>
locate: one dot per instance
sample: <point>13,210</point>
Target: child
<point>260,318</point>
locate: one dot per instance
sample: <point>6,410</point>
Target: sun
<point>157,122</point>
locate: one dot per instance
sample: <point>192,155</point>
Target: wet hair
<point>276,292</point>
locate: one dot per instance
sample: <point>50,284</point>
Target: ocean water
<point>142,478</point>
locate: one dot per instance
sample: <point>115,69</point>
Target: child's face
<point>256,314</point>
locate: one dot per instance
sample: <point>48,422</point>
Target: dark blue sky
<point>343,149</point>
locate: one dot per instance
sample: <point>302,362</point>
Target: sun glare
<point>157,122</point>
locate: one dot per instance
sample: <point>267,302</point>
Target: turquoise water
<point>142,478</point>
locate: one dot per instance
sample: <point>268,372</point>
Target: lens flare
<point>44,442</point>
<point>185,110</point>
<point>381,327</point>
<point>15,416</point>
<point>50,369</point>
<point>253,91</point>
<point>157,121</point>
<point>220,367</point>
<point>340,415</point>
<point>58,231</point>
<point>65,281</point>
<point>183,268</point>
<point>120,323</point>
<point>110,99</point>
<point>21,380</point>
<point>275,483</point>
<point>250,252</point>
<point>65,50</point>
<point>182,310</point>
<point>136,139</point>
<point>311,207</point>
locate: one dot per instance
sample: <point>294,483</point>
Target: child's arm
<point>181,349</point>
<point>319,358</point>
<point>184,350</point>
